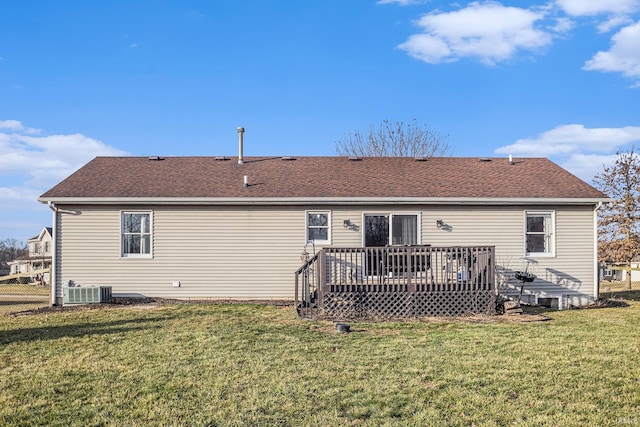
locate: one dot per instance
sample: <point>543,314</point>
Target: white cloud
<point>623,56</point>
<point>597,7</point>
<point>613,22</point>
<point>44,160</point>
<point>567,140</point>
<point>563,25</point>
<point>14,197</point>
<point>488,31</point>
<point>580,150</point>
<point>31,164</point>
<point>617,11</point>
<point>16,126</point>
<point>10,124</point>
<point>22,216</point>
<point>586,166</point>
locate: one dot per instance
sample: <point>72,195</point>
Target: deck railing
<point>307,279</point>
<point>397,281</point>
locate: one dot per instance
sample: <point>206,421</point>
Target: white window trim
<point>329,227</point>
<point>390,214</point>
<point>150,254</point>
<point>552,249</point>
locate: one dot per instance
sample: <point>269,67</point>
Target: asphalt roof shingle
<point>321,177</point>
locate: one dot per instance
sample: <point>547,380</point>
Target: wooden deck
<point>384,282</point>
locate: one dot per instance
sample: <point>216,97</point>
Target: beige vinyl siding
<point>213,252</point>
<point>252,252</point>
<point>569,271</point>
<point>343,237</point>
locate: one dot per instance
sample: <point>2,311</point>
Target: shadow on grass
<point>19,304</point>
<point>606,301</point>
<point>26,301</point>
<point>82,329</point>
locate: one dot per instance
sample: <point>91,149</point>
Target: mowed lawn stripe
<point>244,364</point>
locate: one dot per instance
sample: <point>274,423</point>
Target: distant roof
<point>44,229</point>
<point>320,177</point>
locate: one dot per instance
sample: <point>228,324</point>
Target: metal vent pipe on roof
<point>240,142</point>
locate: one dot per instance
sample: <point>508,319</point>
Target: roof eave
<point>323,200</point>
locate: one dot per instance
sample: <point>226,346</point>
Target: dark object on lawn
<point>343,327</point>
<point>512,307</point>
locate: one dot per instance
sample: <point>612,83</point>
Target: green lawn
<point>26,289</point>
<point>607,288</point>
<point>18,297</point>
<point>215,364</point>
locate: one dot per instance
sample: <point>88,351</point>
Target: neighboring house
<point>205,227</point>
<point>609,273</point>
<point>618,273</point>
<point>635,272</point>
<point>39,256</point>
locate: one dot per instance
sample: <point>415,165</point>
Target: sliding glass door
<point>390,229</point>
<point>382,230</point>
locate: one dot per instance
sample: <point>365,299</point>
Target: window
<point>395,229</point>
<point>318,227</point>
<point>46,247</point>
<point>404,229</point>
<point>136,234</point>
<point>539,233</point>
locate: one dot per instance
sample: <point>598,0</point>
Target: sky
<point>78,79</point>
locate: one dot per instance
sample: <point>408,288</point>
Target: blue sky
<point>557,79</point>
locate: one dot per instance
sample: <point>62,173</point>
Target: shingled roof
<point>320,178</point>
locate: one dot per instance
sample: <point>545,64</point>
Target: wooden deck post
<point>297,300</point>
<point>321,277</point>
<point>411,257</point>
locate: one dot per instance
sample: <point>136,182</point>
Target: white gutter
<point>596,269</point>
<point>54,253</point>
<point>319,201</point>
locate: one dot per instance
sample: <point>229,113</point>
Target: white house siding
<point>569,274</point>
<point>252,252</point>
<point>213,252</point>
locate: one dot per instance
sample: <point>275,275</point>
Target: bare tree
<point>394,140</point>
<point>11,249</point>
<point>618,225</point>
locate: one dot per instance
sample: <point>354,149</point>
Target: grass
<point>615,286</point>
<point>18,297</point>
<point>23,289</point>
<point>218,365</point>
<point>16,304</point>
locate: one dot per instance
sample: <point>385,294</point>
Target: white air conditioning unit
<point>86,295</point>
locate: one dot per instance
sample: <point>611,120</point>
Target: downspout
<point>53,276</point>
<point>596,266</point>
